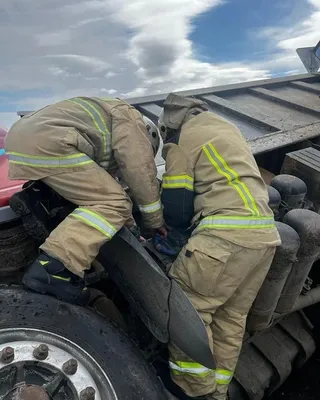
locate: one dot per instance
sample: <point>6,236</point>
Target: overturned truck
<point>116,347</point>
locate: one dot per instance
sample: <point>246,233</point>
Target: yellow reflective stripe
<point>231,222</point>
<point>177,182</point>
<point>61,278</point>
<point>99,123</point>
<point>232,177</point>
<point>189,368</point>
<point>150,208</point>
<point>94,220</point>
<point>223,377</point>
<point>72,160</point>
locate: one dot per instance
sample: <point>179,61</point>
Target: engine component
<point>267,359</point>
<point>310,298</point>
<point>307,224</point>
<point>274,199</point>
<point>267,299</point>
<point>292,190</point>
<point>305,164</point>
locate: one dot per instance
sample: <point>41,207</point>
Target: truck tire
<point>106,358</point>
<point>17,250</point>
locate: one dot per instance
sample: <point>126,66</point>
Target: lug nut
<point>41,352</point>
<point>70,367</point>
<point>7,355</point>
<point>88,394</point>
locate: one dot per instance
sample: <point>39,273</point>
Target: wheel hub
<point>38,365</point>
<point>28,392</point>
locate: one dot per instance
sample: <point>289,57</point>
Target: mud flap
<point>159,301</point>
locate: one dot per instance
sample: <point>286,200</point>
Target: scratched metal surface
<point>270,113</point>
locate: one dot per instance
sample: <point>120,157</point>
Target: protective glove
<point>162,245</point>
<point>172,244</point>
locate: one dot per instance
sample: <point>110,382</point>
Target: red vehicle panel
<point>7,187</point>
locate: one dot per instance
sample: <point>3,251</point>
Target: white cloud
<point>109,91</point>
<point>285,40</point>
<point>52,38</point>
<point>139,91</point>
<point>134,48</point>
<point>110,74</point>
<point>95,64</point>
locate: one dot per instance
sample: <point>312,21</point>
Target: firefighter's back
<point>227,182</point>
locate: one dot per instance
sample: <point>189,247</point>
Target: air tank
<point>267,299</point>
<point>307,224</point>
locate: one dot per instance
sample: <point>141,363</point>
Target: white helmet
<point>153,134</point>
<point>161,126</point>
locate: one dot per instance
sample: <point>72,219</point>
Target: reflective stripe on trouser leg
<point>96,221</point>
<point>77,239</point>
<point>103,209</point>
<point>223,379</point>
<point>223,376</point>
<point>189,368</point>
<point>193,378</point>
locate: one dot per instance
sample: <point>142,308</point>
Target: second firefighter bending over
<point>213,184</point>
<point>76,147</point>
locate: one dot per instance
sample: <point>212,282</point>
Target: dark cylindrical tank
<point>266,302</point>
<point>292,189</point>
<point>274,199</point>
<point>307,224</point>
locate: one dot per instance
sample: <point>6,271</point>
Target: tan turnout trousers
<point>76,147</point>
<point>76,241</point>
<point>212,177</point>
<point>221,279</point>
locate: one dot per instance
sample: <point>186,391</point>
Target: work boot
<point>48,275</point>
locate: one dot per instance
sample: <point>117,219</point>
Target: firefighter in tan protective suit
<point>212,180</point>
<point>76,146</point>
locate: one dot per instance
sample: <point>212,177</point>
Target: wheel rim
<point>40,365</point>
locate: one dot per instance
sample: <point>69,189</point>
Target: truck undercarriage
<point>57,351</point>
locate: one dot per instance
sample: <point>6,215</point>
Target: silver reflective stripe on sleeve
<point>150,208</point>
<point>73,160</point>
<point>94,220</point>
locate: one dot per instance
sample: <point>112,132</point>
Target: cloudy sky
<point>56,49</point>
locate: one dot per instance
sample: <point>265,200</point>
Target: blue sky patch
<point>229,33</point>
